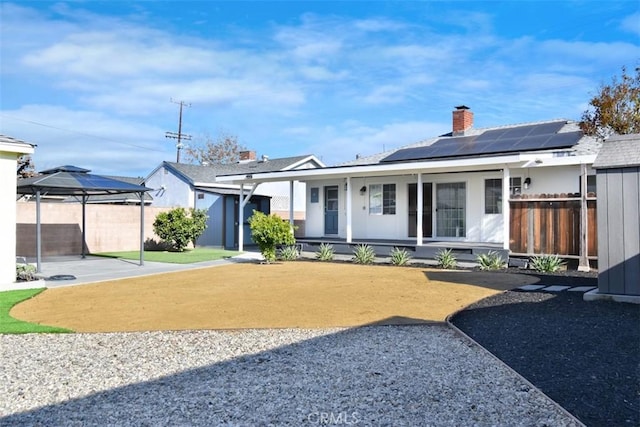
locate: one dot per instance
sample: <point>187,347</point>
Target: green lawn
<point>9,325</point>
<point>187,257</point>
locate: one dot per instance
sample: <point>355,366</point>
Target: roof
<point>618,152</point>
<point>563,135</point>
<point>207,174</point>
<point>122,197</point>
<point>14,145</point>
<point>73,181</point>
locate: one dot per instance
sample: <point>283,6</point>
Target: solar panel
<point>507,140</point>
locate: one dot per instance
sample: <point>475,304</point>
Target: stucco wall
<point>480,227</point>
<point>109,228</point>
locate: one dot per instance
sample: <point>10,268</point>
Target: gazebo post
<point>38,235</point>
<point>84,225</point>
<point>141,229</point>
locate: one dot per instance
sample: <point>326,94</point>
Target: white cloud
<point>631,24</point>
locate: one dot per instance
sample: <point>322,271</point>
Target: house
<point>618,180</point>
<point>196,186</point>
<point>10,150</point>
<point>456,190</point>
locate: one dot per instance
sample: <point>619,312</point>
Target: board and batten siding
<point>619,230</point>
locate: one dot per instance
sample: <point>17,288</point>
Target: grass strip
<point>9,325</point>
<point>186,257</point>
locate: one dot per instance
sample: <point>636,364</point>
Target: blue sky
<point>91,82</point>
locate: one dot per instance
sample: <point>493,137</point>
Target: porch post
<point>291,202</point>
<point>420,212</point>
<point>348,207</point>
<point>583,265</point>
<point>241,220</point>
<point>242,202</point>
<point>506,214</point>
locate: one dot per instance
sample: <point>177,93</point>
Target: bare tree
<point>224,149</point>
<point>615,108</point>
<point>26,168</point>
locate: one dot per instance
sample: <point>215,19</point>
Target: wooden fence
<point>551,225</point>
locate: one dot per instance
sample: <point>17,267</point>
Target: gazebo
<point>74,181</point>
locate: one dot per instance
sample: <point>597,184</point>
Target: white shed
<point>10,150</point>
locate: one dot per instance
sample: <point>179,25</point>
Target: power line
<point>80,133</point>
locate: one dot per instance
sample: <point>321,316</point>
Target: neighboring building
<point>196,186</point>
<point>454,188</point>
<point>10,150</point>
<point>618,175</point>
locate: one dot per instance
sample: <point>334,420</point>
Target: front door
<point>451,209</point>
<point>427,210</point>
<point>331,209</point>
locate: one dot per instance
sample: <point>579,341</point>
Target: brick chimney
<point>462,120</point>
<point>247,156</point>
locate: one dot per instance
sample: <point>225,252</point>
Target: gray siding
<point>619,230</point>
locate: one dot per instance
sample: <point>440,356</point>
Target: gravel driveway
<point>377,375</point>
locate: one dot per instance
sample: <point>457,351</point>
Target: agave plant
<point>446,259</point>
<point>325,252</point>
<point>400,256</point>
<point>364,254</point>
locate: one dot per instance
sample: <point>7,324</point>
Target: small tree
<point>25,169</point>
<point>224,149</point>
<point>615,109</point>
<point>269,231</point>
<point>177,227</point>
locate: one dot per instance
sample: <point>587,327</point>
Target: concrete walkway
<point>56,271</point>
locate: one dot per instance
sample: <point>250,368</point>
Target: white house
<point>10,150</point>
<point>459,184</point>
<point>196,186</point>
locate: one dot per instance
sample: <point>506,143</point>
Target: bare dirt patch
<point>293,294</point>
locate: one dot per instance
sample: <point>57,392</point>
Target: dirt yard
<point>294,294</point>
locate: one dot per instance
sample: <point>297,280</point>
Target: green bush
<point>446,259</point>
<point>546,263</point>
<point>364,254</point>
<point>178,227</point>
<point>490,261</point>
<point>400,256</point>
<point>269,231</point>
<point>325,252</point>
<point>25,272</point>
<point>288,253</point>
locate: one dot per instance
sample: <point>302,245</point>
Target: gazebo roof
<point>74,181</point>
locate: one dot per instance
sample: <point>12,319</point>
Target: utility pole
<point>179,136</point>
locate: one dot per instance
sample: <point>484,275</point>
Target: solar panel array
<point>499,141</point>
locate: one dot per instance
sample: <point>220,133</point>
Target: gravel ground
<point>377,375</point>
<point>584,355</point>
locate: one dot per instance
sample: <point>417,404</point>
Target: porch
<point>463,251</point>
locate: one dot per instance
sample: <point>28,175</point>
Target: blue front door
<point>331,209</point>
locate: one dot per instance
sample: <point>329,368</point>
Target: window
<point>382,199</point>
<point>515,186</point>
<point>492,196</point>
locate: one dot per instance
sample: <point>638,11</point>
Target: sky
<point>97,84</point>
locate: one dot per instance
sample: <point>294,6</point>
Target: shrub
<point>490,261</point>
<point>446,259</point>
<point>546,263</point>
<point>400,256</point>
<point>25,272</point>
<point>178,227</point>
<point>288,253</point>
<point>364,254</point>
<point>269,231</point>
<point>325,252</point>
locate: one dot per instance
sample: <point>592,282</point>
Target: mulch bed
<point>584,355</point>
